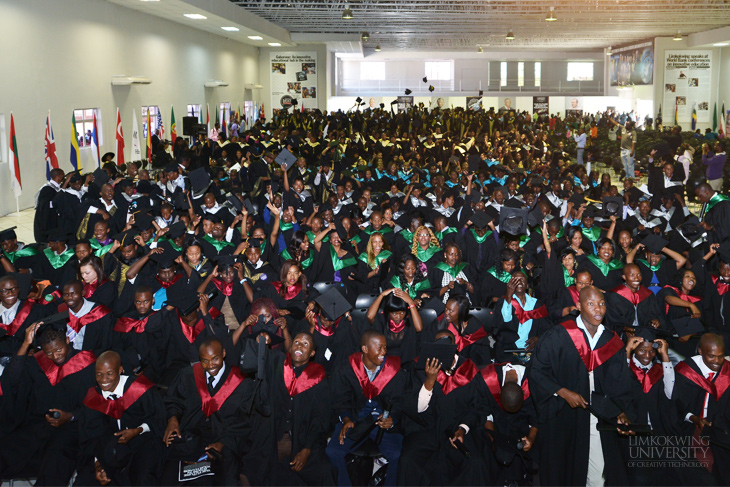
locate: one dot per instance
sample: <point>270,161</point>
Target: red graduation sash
<point>312,375</point>
<point>93,315</point>
<point>290,292</point>
<point>116,408</point>
<point>463,375</point>
<point>647,379</point>
<point>489,374</point>
<point>170,283</point>
<point>633,297</point>
<point>20,317</point>
<point>523,315</point>
<point>463,341</point>
<point>55,374</point>
<point>191,332</point>
<point>226,288</point>
<point>126,324</point>
<point>716,388</point>
<point>685,297</point>
<point>592,358</point>
<point>574,294</point>
<point>323,330</point>
<point>90,289</point>
<point>391,366</point>
<point>211,404</point>
<point>722,287</point>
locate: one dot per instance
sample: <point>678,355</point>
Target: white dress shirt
<point>119,392</point>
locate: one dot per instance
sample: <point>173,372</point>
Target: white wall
<point>60,55</point>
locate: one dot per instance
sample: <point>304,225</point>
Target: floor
<point>24,223</point>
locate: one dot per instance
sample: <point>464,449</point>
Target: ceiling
<point>465,25</point>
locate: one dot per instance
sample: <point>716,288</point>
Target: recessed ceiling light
<point>721,44</point>
<point>510,36</point>
<point>677,36</point>
<point>196,16</point>
<point>347,13</point>
<point>256,38</point>
<point>480,50</point>
<point>377,48</point>
<point>274,44</point>
<point>551,17</point>
<point>231,29</point>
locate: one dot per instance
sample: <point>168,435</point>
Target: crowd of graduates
<point>369,298</point>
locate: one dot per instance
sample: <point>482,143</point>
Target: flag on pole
<point>75,153</point>
<point>207,116</point>
<point>149,135</point>
<point>95,142</point>
<point>14,162</point>
<point>676,114</point>
<point>714,118</point>
<point>217,117</point>
<point>136,154</point>
<point>224,124</point>
<point>160,125</point>
<point>119,150</point>
<point>262,114</point>
<point>722,119</point>
<point>173,129</point>
<point>694,117</point>
<point>50,146</point>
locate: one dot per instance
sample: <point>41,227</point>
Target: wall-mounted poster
<point>632,65</point>
<point>474,103</point>
<point>405,103</point>
<point>541,105</point>
<point>574,106</point>
<point>438,102</point>
<point>506,104</point>
<point>293,77</point>
<point>687,76</point>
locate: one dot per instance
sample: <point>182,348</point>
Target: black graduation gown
<point>13,334</point>
<point>303,412</point>
<point>472,343</point>
<point>98,324</point>
<point>333,347</point>
<point>105,293</point>
<point>404,344</point>
<point>296,304</point>
<point>86,220</point>
<point>236,299</point>
<point>68,208</point>
<point>506,332</point>
<point>555,364</point>
<point>261,277</point>
<point>183,341</point>
<point>689,397</point>
<point>488,387</point>
<point>491,287</point>
<point>480,255</point>
<point>436,277</point>
<point>659,278</point>
<point>98,424</point>
<point>227,423</point>
<point>45,215</point>
<point>565,298</point>
<point>59,269</point>
<point>604,282</point>
<point>34,381</point>
<point>326,271</point>
<point>141,340</point>
<point>719,218</point>
<point>716,301</point>
<point>620,311</point>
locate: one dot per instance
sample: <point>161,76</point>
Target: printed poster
<point>293,77</point>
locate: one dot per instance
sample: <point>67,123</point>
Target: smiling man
<point>121,423</point>
<point>570,362</point>
<point>631,305</point>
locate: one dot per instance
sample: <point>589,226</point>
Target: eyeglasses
<point>9,291</point>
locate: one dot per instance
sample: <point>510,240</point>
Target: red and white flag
<point>14,161</point>
<point>120,141</point>
<point>50,146</point>
<point>95,142</point>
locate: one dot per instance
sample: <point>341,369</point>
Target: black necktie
<point>210,384</point>
<point>112,397</point>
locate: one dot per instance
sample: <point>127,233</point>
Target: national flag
<point>694,117</point>
<point>50,146</point>
<point>136,153</point>
<point>224,124</point>
<point>207,116</point>
<point>714,118</point>
<point>119,149</point>
<point>238,115</point>
<point>723,119</point>
<point>149,135</point>
<point>14,162</point>
<point>676,114</point>
<point>75,153</point>
<point>262,114</point>
<point>173,128</point>
<point>95,142</point>
<point>217,118</point>
<point>160,125</point>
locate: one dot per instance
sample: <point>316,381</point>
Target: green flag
<point>714,118</point>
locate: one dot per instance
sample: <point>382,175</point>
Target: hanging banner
<point>687,77</point>
<point>632,65</point>
<point>541,105</point>
<point>293,77</point>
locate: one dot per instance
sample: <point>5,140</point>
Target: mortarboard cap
<point>654,243</point>
<point>333,304</point>
<point>324,207</point>
<point>225,260</point>
<point>126,239</point>
<point>491,212</point>
<point>535,217</point>
<point>58,235</point>
<point>166,259</point>
<point>212,217</point>
<point>442,350</point>
<point>172,167</point>
<point>145,187</point>
<point>126,182</point>
<point>691,229</point>
<point>514,203</point>
<point>591,211</point>
<point>255,242</point>
<point>513,221</point>
<point>724,252</point>
<point>577,199</point>
<point>235,203</point>
<point>75,176</point>
<point>249,207</point>
<point>8,234</point>
<point>176,230</point>
<point>268,328</point>
<point>480,219</point>
<point>613,205</point>
<point>687,325</point>
<point>286,159</point>
<point>185,299</point>
<point>143,220</point>
<point>100,177</point>
<point>108,156</point>
<point>645,332</point>
<point>199,179</point>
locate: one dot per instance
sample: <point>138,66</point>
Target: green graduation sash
<point>339,264</point>
<point>569,280</point>
<point>500,274</point>
<point>653,268</point>
<point>305,263</point>
<point>58,260</point>
<point>411,290</point>
<point>407,234</point>
<point>592,234</point>
<point>425,255</point>
<point>24,252</point>
<point>603,267</point>
<point>441,235</point>
<point>452,271</point>
<point>311,236</point>
<point>223,244</point>
<point>482,239</point>
<point>383,230</point>
<point>716,198</point>
<point>379,259</point>
<point>284,226</point>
